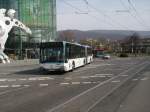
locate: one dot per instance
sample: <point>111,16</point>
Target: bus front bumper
<point>53,67</point>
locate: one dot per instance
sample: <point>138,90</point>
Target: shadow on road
<point>38,71</point>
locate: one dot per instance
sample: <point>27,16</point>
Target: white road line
<point>40,78</point>
<point>115,81</point>
<point>114,69</point>
<point>134,79</point>
<point>43,85</point>
<point>103,74</point>
<point>84,77</point>
<point>46,78</point>
<point>4,86</point>
<point>32,79</point>
<point>144,79</point>
<point>23,79</point>
<point>2,80</point>
<point>86,82</point>
<point>75,83</point>
<point>11,80</point>
<point>64,83</point>
<point>68,78</point>
<point>124,75</point>
<point>15,86</point>
<point>95,82</point>
<point>26,85</point>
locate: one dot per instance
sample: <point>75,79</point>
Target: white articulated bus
<point>64,56</point>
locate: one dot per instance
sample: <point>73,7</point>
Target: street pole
<point>20,47</point>
<point>132,47</point>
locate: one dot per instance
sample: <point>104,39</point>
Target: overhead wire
<point>108,17</point>
<point>94,17</point>
<point>141,20</point>
<point>132,15</point>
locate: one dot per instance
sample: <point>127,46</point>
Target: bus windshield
<point>52,54</point>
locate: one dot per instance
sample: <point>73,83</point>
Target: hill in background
<point>106,34</point>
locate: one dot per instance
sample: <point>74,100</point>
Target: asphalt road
<point>104,85</point>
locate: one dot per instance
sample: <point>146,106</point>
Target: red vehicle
<point>101,53</point>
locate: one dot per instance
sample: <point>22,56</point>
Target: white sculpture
<point>7,22</point>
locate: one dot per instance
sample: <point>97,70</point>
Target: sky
<point>103,15</point>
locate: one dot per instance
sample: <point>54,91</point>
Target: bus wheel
<point>42,70</point>
<point>84,62</point>
<point>90,60</point>
<point>73,66</point>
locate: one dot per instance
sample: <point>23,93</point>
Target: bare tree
<point>131,43</point>
<point>66,36</point>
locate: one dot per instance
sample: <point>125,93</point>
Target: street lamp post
<point>132,47</point>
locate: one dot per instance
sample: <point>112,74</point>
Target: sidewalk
<point>139,98</point>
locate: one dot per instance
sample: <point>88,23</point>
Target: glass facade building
<point>38,15</point>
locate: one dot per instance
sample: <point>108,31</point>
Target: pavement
<point>139,98</point>
<point>103,85</point>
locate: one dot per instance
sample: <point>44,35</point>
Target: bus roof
<point>55,42</point>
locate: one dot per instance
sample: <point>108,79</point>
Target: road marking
<point>91,89</point>
<point>40,78</point>
<point>115,81</point>
<point>86,82</point>
<point>102,76</point>
<point>11,80</point>
<point>23,79</point>
<point>2,80</point>
<point>15,86</point>
<point>64,83</point>
<point>75,83</point>
<point>134,79</point>
<point>96,82</point>
<point>32,78</point>
<point>47,78</point>
<point>67,78</point>
<point>113,89</point>
<point>4,86</point>
<point>144,79</point>
<point>43,85</point>
<point>26,85</point>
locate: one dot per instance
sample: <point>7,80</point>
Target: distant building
<point>39,15</point>
<point>143,46</point>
